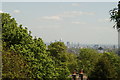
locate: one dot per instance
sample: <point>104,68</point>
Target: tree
<point>104,69</point>
<point>114,60</point>
<point>87,59</point>
<point>115,16</point>
<point>58,52</point>
<point>72,62</point>
<point>14,66</point>
<point>18,40</point>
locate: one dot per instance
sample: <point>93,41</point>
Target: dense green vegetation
<point>25,56</point>
<point>31,55</point>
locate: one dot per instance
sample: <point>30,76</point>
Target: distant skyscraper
<point>60,40</point>
<point>68,44</point>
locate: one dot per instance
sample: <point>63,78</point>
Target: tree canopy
<point>115,16</point>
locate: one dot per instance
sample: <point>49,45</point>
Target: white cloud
<point>67,14</point>
<point>16,11</point>
<point>52,17</point>
<point>77,22</point>
<point>75,4</point>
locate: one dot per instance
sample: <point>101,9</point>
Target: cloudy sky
<point>83,22</point>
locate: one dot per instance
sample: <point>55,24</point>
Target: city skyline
<point>83,22</point>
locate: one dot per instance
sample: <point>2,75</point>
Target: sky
<point>59,0</point>
<point>83,22</point>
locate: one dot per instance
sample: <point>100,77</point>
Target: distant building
<point>68,44</point>
<point>60,40</point>
<point>100,50</point>
<point>96,46</point>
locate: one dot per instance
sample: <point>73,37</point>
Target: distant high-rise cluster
<point>76,45</point>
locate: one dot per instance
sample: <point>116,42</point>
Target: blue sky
<point>83,22</point>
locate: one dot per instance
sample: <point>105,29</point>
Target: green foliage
<point>14,66</point>
<point>104,68</point>
<point>12,34</point>
<point>87,59</point>
<point>99,65</point>
<point>114,60</point>
<point>30,51</point>
<point>28,57</point>
<point>72,62</point>
<point>57,51</point>
<point>19,40</point>
<point>115,16</point>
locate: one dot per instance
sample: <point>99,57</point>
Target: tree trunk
<point>118,26</point>
<point>119,42</point>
